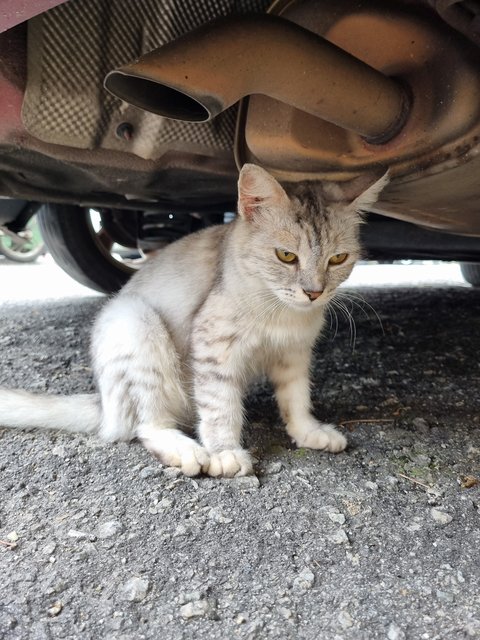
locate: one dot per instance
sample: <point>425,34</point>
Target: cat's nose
<point>312,295</point>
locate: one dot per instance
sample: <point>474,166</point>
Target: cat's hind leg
<point>143,392</point>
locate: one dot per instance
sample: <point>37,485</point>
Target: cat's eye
<point>338,258</point>
<point>286,256</point>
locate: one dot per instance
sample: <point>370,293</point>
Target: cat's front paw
<point>175,449</point>
<point>230,463</point>
<point>321,436</point>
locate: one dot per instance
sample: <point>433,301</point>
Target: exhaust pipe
<point>206,71</point>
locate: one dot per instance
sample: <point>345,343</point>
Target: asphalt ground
<point>382,541</point>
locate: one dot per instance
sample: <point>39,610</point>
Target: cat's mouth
<point>306,304</point>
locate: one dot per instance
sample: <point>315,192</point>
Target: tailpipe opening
<point>156,98</point>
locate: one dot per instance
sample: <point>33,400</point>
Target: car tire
<point>471,273</point>
<point>71,239</point>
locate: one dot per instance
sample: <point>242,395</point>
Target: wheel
<point>471,273</point>
<point>24,246</point>
<point>98,248</point>
<point>84,248</point>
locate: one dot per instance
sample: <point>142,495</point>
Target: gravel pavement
<point>382,541</point>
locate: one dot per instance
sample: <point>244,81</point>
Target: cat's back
<point>177,279</point>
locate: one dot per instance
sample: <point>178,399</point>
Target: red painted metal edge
<point>13,12</point>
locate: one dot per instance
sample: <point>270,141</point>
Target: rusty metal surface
<point>442,70</point>
<point>208,70</point>
<point>440,138</point>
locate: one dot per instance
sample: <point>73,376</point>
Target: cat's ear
<point>358,194</point>
<point>257,189</point>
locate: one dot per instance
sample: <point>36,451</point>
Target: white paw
<point>230,463</point>
<point>321,436</point>
<point>175,449</point>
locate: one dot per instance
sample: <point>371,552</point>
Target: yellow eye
<point>338,258</point>
<point>286,256</point>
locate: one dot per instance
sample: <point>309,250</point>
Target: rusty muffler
<point>206,71</point>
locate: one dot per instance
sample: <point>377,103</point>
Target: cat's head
<point>302,242</point>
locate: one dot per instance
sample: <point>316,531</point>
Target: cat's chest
<point>241,338</point>
<point>267,339</point>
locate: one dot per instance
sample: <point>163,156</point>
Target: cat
<point>208,313</point>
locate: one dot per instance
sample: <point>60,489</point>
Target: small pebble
<point>7,622</point>
<point>49,548</point>
<point>273,467</point>
<point>467,482</point>
<point>191,596</point>
<point>12,536</point>
<point>110,529</point>
<point>199,609</point>
<point>345,620</point>
<point>55,609</point>
<point>395,633</point>
<point>304,580</point>
<point>150,472</point>
<point>339,537</point>
<point>241,618</point>
<point>338,518</point>
<point>444,596</point>
<point>353,558</point>
<point>243,482</point>
<point>421,425</point>
<point>218,516</point>
<point>75,533</point>
<point>180,530</point>
<point>135,589</point>
<point>171,472</point>
<point>440,516</point>
<point>165,503</point>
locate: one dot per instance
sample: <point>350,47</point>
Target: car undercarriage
<point>146,110</point>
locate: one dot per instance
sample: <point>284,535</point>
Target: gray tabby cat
<point>206,314</point>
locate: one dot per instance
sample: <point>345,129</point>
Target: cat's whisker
<point>352,301</point>
<point>360,301</point>
<point>336,323</point>
<point>277,306</point>
<point>267,302</point>
<point>333,315</point>
<point>330,316</point>
<point>353,329</point>
<point>265,313</point>
<point>348,315</point>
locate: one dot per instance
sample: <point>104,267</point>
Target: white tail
<point>23,410</point>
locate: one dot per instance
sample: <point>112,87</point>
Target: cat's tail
<point>76,414</point>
